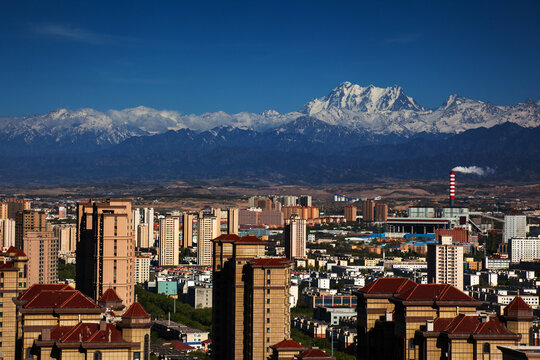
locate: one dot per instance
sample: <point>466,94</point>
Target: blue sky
<point>199,56</point>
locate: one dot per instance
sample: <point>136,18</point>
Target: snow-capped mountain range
<point>367,110</point>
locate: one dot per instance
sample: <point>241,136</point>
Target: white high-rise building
<point>445,263</point>
<point>169,241</point>
<point>515,226</point>
<point>143,216</point>
<point>142,269</point>
<point>524,249</point>
<point>208,230</point>
<point>7,232</point>
<point>295,237</point>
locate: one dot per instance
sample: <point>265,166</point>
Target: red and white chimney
<point>452,187</point>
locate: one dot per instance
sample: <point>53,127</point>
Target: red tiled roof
<point>435,292</point>
<point>110,295</point>
<point>390,285</point>
<point>35,289</point>
<point>314,353</point>
<point>11,249</point>
<point>135,311</point>
<point>269,262</point>
<point>466,324</point>
<point>178,345</point>
<point>20,253</point>
<point>227,237</point>
<point>87,332</point>
<point>61,299</point>
<point>518,304</point>
<point>207,341</point>
<point>288,344</point>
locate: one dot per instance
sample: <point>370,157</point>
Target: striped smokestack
<point>452,187</point>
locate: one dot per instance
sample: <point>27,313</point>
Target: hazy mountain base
<point>508,150</point>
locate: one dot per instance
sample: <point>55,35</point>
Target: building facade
<point>41,247</point>
<point>251,294</point>
<point>187,230</point>
<point>106,248</point>
<point>368,210</point>
<point>169,241</point>
<point>208,229</point>
<point>445,263</point>
<point>524,249</point>
<point>350,213</point>
<point>514,226</point>
<point>381,213</point>
<point>295,238</point>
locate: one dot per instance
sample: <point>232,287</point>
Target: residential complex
<point>208,229</point>
<point>445,263</point>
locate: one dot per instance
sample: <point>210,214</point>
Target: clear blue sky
<point>198,56</point>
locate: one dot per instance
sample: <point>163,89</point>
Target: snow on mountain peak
<point>353,97</point>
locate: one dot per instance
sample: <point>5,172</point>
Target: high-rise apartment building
<point>3,210</point>
<point>106,248</point>
<point>41,247</point>
<point>232,221</point>
<point>142,269</point>
<point>208,229</point>
<point>524,249</point>
<point>295,237</point>
<point>350,213</point>
<point>144,236</point>
<point>304,200</point>
<point>26,221</point>
<point>381,213</point>
<point>16,205</point>
<point>251,310</point>
<point>187,230</point>
<point>7,233</point>
<point>515,226</point>
<point>13,273</point>
<point>445,263</point>
<point>67,238</point>
<point>368,210</point>
<point>169,241</point>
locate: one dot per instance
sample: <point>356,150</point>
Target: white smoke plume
<point>476,170</point>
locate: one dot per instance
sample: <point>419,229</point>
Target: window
<point>486,348</point>
<point>268,330</point>
<point>268,301</point>
<point>411,344</point>
<point>268,320</point>
<point>268,311</point>
<point>136,355</point>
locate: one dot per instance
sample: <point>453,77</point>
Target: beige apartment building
<point>232,221</point>
<point>67,238</point>
<point>16,205</point>
<point>381,213</point>
<point>7,233</point>
<point>445,263</point>
<point>41,247</point>
<point>28,220</point>
<point>295,237</point>
<point>13,270</point>
<point>3,210</point>
<point>106,248</point>
<point>142,236</point>
<point>169,241</point>
<point>251,293</point>
<point>208,229</point>
<point>368,210</point>
<point>350,213</point>
<point>187,230</point>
